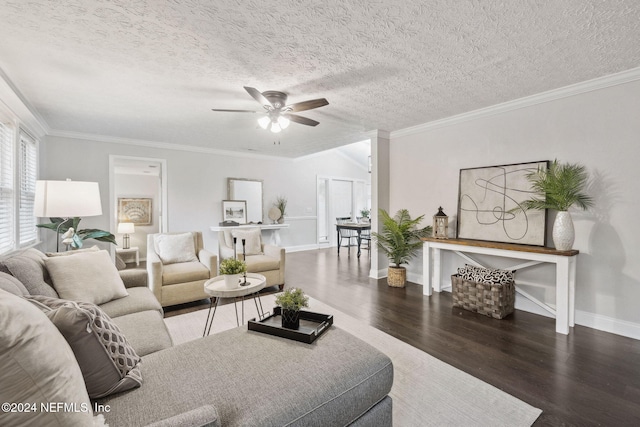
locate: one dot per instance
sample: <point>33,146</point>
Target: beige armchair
<point>261,258</point>
<point>178,266</point>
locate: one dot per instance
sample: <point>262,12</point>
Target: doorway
<point>143,180</point>
<point>338,197</point>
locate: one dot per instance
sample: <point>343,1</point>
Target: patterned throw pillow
<point>486,275</point>
<point>108,362</point>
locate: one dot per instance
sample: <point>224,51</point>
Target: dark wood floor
<point>586,378</point>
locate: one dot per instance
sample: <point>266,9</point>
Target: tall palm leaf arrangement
<point>559,187</point>
<point>400,237</point>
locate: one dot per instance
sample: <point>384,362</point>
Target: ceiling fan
<point>279,114</point>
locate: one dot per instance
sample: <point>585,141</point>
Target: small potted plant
<point>292,301</point>
<point>400,241</point>
<point>232,269</point>
<point>559,187</point>
<point>364,213</point>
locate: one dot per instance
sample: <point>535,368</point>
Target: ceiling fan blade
<point>307,105</point>
<point>257,95</point>
<point>301,120</point>
<point>233,111</point>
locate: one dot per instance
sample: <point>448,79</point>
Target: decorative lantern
<point>440,225</point>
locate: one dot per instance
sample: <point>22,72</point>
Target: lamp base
<point>125,242</point>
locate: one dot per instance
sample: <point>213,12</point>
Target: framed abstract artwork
<point>234,210</point>
<point>135,210</point>
<point>489,200</point>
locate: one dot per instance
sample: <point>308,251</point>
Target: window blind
<point>27,177</point>
<point>7,232</point>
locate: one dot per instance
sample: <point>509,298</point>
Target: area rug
<point>426,391</point>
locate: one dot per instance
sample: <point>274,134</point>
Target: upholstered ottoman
<point>246,378</point>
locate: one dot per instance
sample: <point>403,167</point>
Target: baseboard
<point>608,324</point>
<point>300,248</point>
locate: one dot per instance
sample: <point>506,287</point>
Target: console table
<point>564,261</point>
<point>275,236</point>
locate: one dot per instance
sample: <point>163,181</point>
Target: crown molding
<point>15,104</point>
<point>528,101</point>
<point>159,145</point>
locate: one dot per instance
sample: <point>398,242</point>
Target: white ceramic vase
<point>231,280</point>
<point>563,232</point>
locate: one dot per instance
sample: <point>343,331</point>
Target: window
<point>7,233</point>
<point>18,173</point>
<point>28,172</point>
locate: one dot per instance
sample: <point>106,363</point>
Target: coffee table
<point>217,289</point>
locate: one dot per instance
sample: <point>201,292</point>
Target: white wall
<point>599,129</point>
<point>197,182</point>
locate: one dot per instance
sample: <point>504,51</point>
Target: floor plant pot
<point>231,280</point>
<point>291,319</point>
<point>396,277</point>
<point>563,233</point>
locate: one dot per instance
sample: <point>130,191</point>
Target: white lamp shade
<point>126,228</point>
<point>66,199</point>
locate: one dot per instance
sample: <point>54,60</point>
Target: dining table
<point>358,227</point>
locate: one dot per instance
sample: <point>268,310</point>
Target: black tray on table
<point>312,325</point>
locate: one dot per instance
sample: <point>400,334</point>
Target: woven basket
<point>491,299</point>
<point>396,277</point>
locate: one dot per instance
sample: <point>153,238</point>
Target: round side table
<point>217,289</point>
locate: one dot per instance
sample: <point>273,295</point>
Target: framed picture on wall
<point>135,210</point>
<point>234,210</point>
<point>489,201</point>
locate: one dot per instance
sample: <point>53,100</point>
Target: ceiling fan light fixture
<point>283,122</point>
<point>264,122</point>
<point>275,127</point>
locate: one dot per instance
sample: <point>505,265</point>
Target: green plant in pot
<point>400,241</point>
<point>232,269</point>
<point>559,187</point>
<point>291,301</point>
<point>75,237</point>
<point>364,213</point>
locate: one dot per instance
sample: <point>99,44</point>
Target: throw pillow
<point>12,285</point>
<point>74,251</point>
<point>88,277</point>
<point>108,362</point>
<point>38,367</point>
<point>173,248</point>
<point>29,268</point>
<point>253,241</point>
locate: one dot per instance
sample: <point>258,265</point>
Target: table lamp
<point>66,199</point>
<point>126,228</point>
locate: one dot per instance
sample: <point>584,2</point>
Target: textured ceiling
<point>153,69</point>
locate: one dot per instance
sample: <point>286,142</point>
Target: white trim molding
<point>551,95</point>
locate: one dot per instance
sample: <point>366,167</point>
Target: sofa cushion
<point>252,239</point>
<point>173,248</point>
<point>88,277</point>
<point>258,263</point>
<point>109,364</point>
<point>139,299</point>
<point>184,272</point>
<point>28,267</point>
<point>331,382</point>
<point>12,285</point>
<point>38,366</point>
<point>145,331</point>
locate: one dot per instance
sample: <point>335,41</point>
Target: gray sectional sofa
<point>234,378</point>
